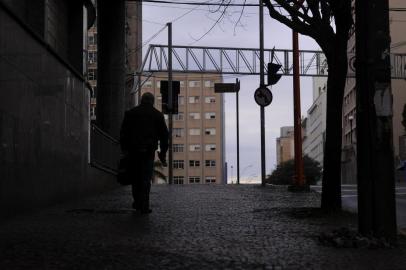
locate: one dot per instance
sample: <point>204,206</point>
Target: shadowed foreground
<point>191,227</point>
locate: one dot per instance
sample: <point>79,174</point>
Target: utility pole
<point>262,84</point>
<point>299,181</point>
<point>375,159</point>
<point>170,103</point>
<point>238,135</point>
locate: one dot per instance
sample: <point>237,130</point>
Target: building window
<point>92,113</point>
<point>194,147</point>
<point>158,84</point>
<point>194,115</point>
<point>194,131</point>
<point>208,83</point>
<point>92,57</point>
<point>210,147</point>
<point>210,131</point>
<point>178,148</point>
<point>210,115</point>
<point>210,179</point>
<point>210,99</point>
<point>194,163</point>
<point>93,39</point>
<point>194,99</point>
<point>182,83</point>
<point>178,117</point>
<point>194,83</point>
<point>178,164</point>
<point>147,84</point>
<point>158,102</point>
<point>178,180</point>
<point>92,74</point>
<point>181,100</point>
<point>210,163</point>
<point>194,179</point>
<point>178,132</point>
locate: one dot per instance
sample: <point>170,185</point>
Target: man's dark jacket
<point>143,126</point>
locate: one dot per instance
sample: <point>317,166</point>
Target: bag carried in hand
<point>124,176</point>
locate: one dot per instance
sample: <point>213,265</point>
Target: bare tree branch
<point>290,22</point>
<point>215,23</point>
<point>325,11</point>
<point>239,18</point>
<point>314,6</point>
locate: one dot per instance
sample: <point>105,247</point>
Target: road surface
<point>350,203</point>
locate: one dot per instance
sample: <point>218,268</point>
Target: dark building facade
<point>44,104</point>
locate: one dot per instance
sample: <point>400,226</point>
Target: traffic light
<point>165,98</point>
<point>273,78</point>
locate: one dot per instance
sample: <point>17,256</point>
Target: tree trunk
<point>337,73</point>
<point>375,160</point>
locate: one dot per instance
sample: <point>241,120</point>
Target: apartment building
<point>198,128</point>
<point>92,67</point>
<point>285,145</point>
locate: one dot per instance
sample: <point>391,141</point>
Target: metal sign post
<point>261,84</point>
<point>232,88</point>
<point>238,134</point>
<point>170,104</point>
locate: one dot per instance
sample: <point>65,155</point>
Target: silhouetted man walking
<point>143,126</point>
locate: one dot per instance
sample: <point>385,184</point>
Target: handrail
<point>104,150</point>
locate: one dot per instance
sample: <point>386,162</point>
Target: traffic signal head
<point>273,77</point>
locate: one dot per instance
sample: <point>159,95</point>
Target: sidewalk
<point>191,227</point>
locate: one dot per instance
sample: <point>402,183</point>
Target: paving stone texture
<point>191,227</point>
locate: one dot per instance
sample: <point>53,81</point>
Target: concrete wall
<point>43,125</point>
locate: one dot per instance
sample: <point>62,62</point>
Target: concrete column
<point>75,34</point>
<point>111,65</point>
<point>134,44</point>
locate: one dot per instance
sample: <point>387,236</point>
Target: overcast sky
<point>191,23</point>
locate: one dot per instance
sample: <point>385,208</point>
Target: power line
<point>152,22</point>
<point>197,3</point>
<point>223,4</point>
<point>188,12</point>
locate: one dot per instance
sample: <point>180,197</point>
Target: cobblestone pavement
<point>191,227</point>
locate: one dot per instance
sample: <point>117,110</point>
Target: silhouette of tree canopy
<point>283,174</point>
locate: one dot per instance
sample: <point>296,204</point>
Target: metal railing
<point>104,150</point>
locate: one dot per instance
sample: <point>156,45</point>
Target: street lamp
<point>351,118</point>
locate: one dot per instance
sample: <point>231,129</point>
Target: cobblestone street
<point>191,227</point>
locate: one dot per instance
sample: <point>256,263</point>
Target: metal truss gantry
<point>222,60</point>
<point>245,61</point>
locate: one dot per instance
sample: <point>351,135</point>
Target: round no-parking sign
<point>263,96</point>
